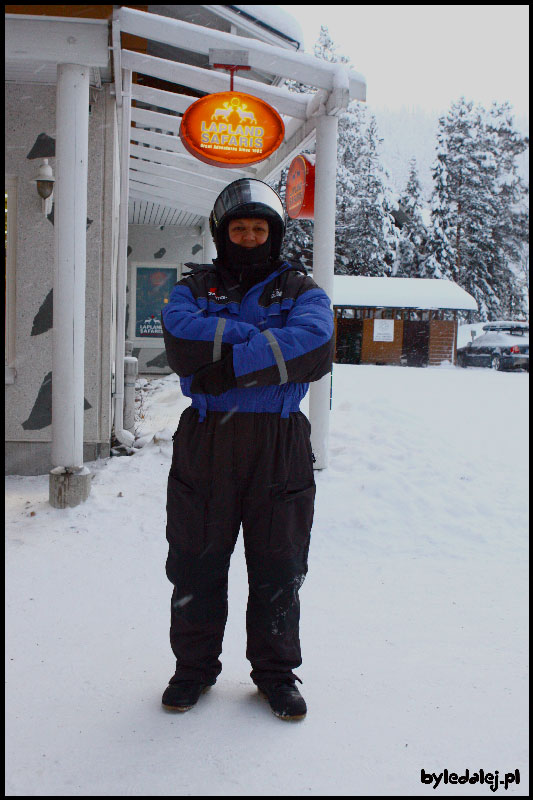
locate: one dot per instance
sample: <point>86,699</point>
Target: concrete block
<point>69,486</point>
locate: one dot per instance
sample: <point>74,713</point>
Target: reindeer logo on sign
<point>234,105</point>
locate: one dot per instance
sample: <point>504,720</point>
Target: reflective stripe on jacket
<point>280,332</point>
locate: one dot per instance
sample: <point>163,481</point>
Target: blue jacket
<point>280,332</point>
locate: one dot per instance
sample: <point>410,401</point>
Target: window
<point>10,263</point>
<point>152,286</point>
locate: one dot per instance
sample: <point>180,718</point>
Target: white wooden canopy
<point>157,173</point>
<point>35,45</point>
<point>161,172</point>
<point>155,167</point>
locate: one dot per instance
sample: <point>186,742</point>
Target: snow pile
<point>503,339</point>
<point>468,332</point>
<point>413,612</point>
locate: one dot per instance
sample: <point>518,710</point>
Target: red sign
<point>231,129</point>
<point>300,188</point>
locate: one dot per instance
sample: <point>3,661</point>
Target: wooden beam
<point>143,195</point>
<point>153,119</point>
<point>188,163</point>
<point>166,171</point>
<point>266,58</point>
<point>158,97</point>
<point>57,41</point>
<point>163,140</point>
<point>174,145</point>
<point>184,189</point>
<point>207,80</point>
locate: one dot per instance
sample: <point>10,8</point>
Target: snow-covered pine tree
<point>365,233</point>
<point>411,198</point>
<point>371,233</point>
<point>413,234</point>
<point>439,259</point>
<point>521,271</point>
<point>326,49</point>
<point>512,227</point>
<point>349,147</point>
<point>349,144</point>
<point>366,238</point>
<point>298,244</point>
<point>472,228</point>
<point>448,173</point>
<point>298,241</point>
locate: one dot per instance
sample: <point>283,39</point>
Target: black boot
<point>282,693</point>
<point>182,695</point>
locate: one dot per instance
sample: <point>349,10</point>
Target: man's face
<point>248,232</point>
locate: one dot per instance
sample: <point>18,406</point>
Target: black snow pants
<point>254,469</point>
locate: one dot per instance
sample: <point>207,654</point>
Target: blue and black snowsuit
<point>243,456</point>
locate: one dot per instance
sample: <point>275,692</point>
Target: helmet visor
<point>250,195</point>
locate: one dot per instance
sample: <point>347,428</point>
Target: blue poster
<point>154,285</point>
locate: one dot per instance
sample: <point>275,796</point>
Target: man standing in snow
<point>246,334</point>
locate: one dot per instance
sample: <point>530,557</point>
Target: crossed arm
<point>223,353</point>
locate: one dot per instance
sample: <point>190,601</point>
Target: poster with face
<point>154,285</point>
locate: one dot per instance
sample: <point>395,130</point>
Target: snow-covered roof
<point>358,290</point>
<point>277,19</point>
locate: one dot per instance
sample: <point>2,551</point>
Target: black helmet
<point>248,197</point>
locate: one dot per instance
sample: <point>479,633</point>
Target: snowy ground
<point>413,613</point>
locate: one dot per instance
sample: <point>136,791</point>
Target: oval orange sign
<point>231,129</point>
<point>300,188</point>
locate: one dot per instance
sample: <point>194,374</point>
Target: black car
<point>504,345</point>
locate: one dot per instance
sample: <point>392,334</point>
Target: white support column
<point>70,231</point>
<point>124,437</point>
<point>210,251</point>
<point>323,268</point>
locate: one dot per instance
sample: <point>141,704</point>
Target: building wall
<point>382,352</point>
<point>30,111</point>
<point>149,246</point>
<point>442,339</point>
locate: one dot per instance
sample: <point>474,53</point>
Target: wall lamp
<point>45,186</point>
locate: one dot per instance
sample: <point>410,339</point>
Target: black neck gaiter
<point>249,265</point>
<point>237,258</point>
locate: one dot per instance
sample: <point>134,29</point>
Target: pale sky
<point>428,56</point>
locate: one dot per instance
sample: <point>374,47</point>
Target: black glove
<point>216,378</point>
